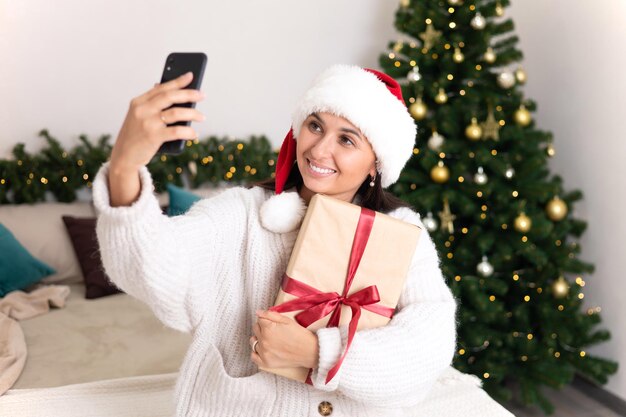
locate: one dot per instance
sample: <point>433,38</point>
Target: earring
<point>372,183</point>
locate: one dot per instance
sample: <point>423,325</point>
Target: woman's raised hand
<point>145,127</point>
<point>144,130</point>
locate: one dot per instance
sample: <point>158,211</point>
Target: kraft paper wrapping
<point>321,255</point>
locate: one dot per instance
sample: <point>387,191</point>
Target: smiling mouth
<point>320,170</point>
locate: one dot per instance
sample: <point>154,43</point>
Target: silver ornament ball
<point>436,141</point>
<point>478,22</point>
<point>509,173</point>
<point>430,223</point>
<point>484,268</point>
<point>414,75</point>
<point>480,177</point>
<point>506,79</point>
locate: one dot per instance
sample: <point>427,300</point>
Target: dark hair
<point>374,198</point>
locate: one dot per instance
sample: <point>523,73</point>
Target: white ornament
<point>430,222</point>
<point>506,79</point>
<point>484,268</point>
<point>480,177</point>
<point>435,141</point>
<point>414,74</point>
<point>478,22</point>
<point>510,172</point>
<point>455,2</point>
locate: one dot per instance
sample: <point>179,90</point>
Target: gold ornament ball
<point>560,288</point>
<point>458,56</point>
<point>441,97</point>
<point>520,75</point>
<point>405,3</point>
<point>490,56</point>
<point>474,131</point>
<point>455,2</point>
<point>440,173</point>
<point>522,116</point>
<point>499,9</point>
<point>523,223</point>
<point>550,150</point>
<point>418,109</point>
<point>556,209</point>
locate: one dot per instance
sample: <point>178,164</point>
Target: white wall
<point>574,56</point>
<point>72,66</point>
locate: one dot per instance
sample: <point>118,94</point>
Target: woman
<point>217,269</point>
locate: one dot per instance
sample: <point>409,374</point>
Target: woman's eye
<point>314,126</point>
<point>346,140</point>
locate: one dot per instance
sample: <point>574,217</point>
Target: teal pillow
<point>180,200</point>
<point>18,268</point>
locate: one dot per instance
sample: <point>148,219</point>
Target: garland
<point>55,173</point>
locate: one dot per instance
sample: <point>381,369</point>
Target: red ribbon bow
<point>316,305</point>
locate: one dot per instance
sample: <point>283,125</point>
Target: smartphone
<point>177,64</point>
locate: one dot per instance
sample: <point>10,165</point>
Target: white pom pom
<point>283,212</point>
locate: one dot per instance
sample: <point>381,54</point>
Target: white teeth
<point>320,170</point>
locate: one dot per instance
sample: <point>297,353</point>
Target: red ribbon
<point>316,305</point>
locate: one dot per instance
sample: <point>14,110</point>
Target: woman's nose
<point>323,147</point>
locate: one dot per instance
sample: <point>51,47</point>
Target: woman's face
<point>333,156</point>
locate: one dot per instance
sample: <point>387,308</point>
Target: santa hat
<point>370,100</point>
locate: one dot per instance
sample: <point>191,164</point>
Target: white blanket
<point>454,395</point>
<point>143,396</point>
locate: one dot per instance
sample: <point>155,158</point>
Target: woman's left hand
<point>283,342</point>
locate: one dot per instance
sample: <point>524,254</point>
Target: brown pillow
<point>82,231</point>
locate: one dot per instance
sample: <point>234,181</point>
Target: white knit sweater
<point>208,271</point>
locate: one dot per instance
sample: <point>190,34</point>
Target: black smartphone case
<point>176,65</point>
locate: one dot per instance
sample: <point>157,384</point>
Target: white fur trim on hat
<point>282,213</point>
<point>358,95</point>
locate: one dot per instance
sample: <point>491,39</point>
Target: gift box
<point>348,267</point>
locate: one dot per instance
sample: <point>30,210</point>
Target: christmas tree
<point>503,225</point>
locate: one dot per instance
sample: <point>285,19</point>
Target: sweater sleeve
<point>166,262</point>
<point>396,365</point>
